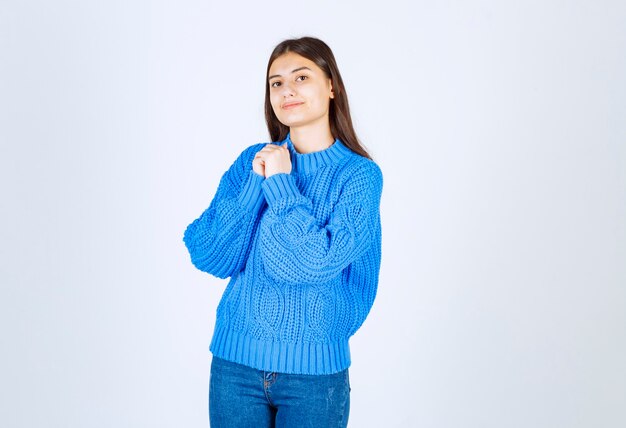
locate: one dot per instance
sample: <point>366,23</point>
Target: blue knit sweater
<point>302,251</point>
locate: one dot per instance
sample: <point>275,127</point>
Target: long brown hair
<point>338,112</point>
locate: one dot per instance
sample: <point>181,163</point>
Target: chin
<point>295,120</point>
<point>291,122</point>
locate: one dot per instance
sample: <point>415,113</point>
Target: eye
<point>272,85</point>
<point>305,77</point>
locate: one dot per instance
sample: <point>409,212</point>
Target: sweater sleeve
<point>297,250</point>
<point>219,240</point>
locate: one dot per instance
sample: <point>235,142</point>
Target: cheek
<point>318,97</point>
<point>319,103</point>
<point>275,102</point>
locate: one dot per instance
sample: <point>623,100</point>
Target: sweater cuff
<point>279,186</point>
<point>251,196</point>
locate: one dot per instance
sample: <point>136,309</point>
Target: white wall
<point>499,126</point>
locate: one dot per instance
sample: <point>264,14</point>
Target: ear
<point>332,93</point>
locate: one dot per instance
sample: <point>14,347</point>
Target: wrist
<point>279,186</point>
<point>270,171</point>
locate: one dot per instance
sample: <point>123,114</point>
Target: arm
<point>219,240</point>
<point>296,249</point>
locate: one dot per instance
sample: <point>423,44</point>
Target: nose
<point>287,90</point>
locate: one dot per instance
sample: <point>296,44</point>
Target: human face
<point>300,92</point>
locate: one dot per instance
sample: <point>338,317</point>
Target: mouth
<point>288,106</point>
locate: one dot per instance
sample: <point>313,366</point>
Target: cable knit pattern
<point>302,251</point>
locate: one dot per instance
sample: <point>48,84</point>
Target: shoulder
<point>359,178</point>
<point>249,152</point>
<point>361,168</point>
<point>244,159</point>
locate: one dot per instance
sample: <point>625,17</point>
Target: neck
<point>311,139</point>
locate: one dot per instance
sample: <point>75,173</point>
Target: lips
<point>291,105</point>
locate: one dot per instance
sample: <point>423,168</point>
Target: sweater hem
<point>312,358</point>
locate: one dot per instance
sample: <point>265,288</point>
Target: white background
<point>500,128</point>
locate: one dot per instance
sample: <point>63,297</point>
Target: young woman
<point>295,224</point>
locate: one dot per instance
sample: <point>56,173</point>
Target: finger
<point>268,150</point>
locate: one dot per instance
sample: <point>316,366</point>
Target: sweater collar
<point>309,162</point>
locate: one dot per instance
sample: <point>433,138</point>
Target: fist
<point>272,159</point>
<point>258,165</point>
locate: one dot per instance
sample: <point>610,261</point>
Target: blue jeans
<point>240,397</point>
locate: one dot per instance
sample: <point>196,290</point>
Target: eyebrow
<point>293,71</point>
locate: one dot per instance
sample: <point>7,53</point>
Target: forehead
<point>288,62</point>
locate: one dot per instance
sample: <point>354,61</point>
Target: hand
<point>258,165</point>
<point>272,159</point>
